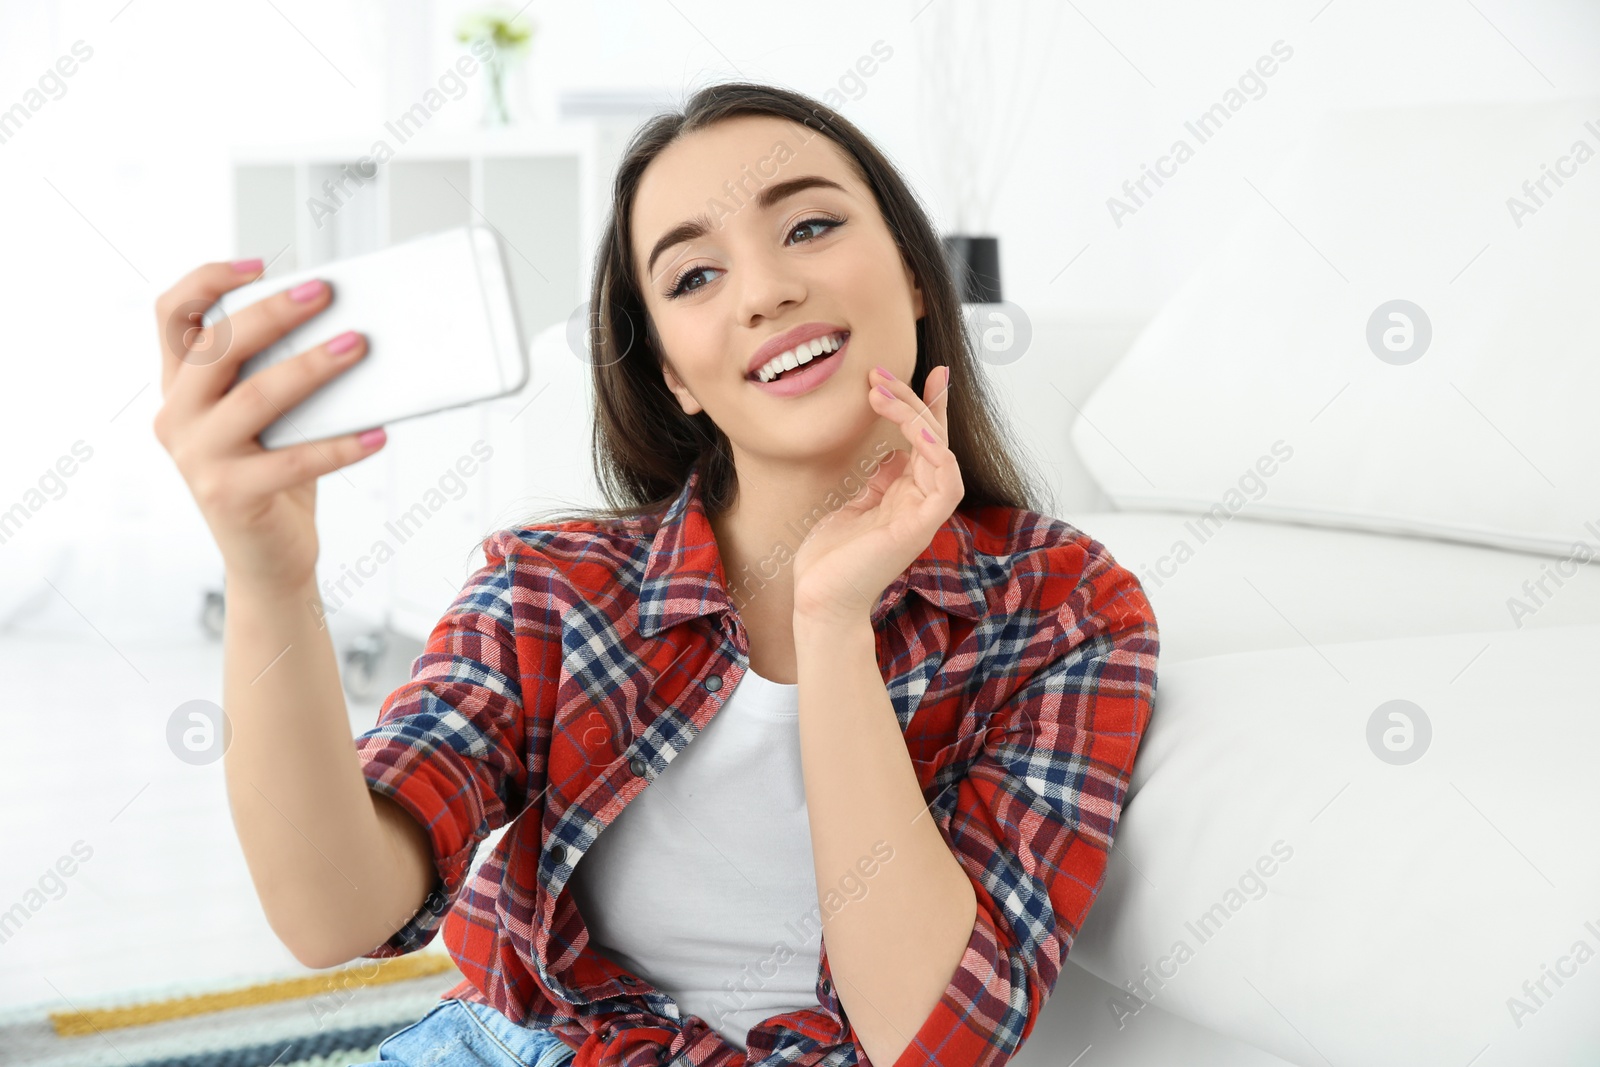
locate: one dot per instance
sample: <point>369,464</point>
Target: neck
<point>775,506</point>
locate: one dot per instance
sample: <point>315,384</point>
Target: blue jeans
<point>459,1033</point>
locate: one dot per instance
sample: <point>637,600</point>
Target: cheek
<point>879,281</point>
<point>687,346</point>
<point>703,364</point>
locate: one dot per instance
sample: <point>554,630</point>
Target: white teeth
<point>805,352</point>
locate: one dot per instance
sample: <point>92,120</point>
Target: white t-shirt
<point>704,885</point>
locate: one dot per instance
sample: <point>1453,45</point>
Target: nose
<point>768,285</point>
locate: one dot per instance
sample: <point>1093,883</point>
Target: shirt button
<point>713,683</point>
<point>558,853</point>
<point>629,979</point>
<point>638,767</point>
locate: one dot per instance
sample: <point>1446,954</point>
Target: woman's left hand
<point>851,555</point>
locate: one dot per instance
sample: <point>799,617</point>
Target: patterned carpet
<point>328,1019</point>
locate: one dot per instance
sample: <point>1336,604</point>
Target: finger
<point>933,455</point>
<point>934,389</point>
<point>919,456</point>
<point>178,310</point>
<point>924,406</point>
<point>209,365</point>
<point>941,407</point>
<point>268,472</point>
<point>896,401</point>
<point>261,399</point>
<point>928,451</point>
<point>925,427</point>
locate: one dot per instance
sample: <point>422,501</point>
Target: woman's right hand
<point>260,504</point>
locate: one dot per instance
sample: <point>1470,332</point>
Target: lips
<point>801,356</point>
<point>807,377</point>
<point>783,342</point>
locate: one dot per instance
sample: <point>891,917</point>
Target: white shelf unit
<point>399,530</point>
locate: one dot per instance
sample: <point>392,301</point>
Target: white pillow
<point>1250,585</point>
<point>1256,388</point>
<point>1363,911</point>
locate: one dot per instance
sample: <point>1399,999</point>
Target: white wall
<point>118,185</point>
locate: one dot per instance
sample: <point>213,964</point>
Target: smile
<point>800,355</point>
<point>803,368</point>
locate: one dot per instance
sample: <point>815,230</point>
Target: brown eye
<point>819,221</point>
<point>679,287</point>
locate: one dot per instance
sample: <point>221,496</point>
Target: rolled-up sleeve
<point>1034,817</point>
<point>449,744</point>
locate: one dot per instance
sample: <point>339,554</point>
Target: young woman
<point>839,726</point>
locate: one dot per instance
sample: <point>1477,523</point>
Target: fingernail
<point>246,266</point>
<point>885,392</point>
<point>929,436</point>
<point>372,438</point>
<point>344,342</point>
<point>884,371</point>
<point>306,291</point>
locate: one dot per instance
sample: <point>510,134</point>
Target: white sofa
<point>1361,827</point>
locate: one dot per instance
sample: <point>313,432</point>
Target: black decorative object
<point>975,263</point>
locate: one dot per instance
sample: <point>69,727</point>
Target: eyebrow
<point>700,225</point>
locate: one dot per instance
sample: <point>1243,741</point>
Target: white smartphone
<point>441,327</point>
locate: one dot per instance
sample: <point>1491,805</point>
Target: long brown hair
<point>645,445</point>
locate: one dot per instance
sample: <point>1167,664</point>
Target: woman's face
<point>819,254</point>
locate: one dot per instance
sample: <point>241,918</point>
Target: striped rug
<point>327,1019</point>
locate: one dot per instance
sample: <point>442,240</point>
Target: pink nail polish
<point>372,438</point>
<point>885,372</point>
<point>344,342</point>
<point>929,436</point>
<point>246,266</point>
<point>306,291</point>
<point>885,392</point>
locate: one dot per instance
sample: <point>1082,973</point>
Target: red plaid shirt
<point>578,661</point>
